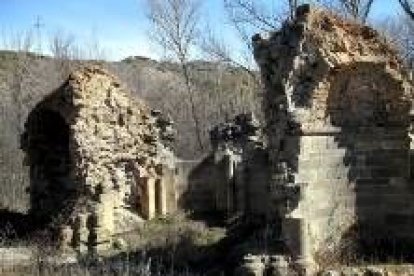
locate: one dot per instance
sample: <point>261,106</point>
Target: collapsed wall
<point>232,181</point>
<point>241,166</point>
<point>99,160</point>
<point>337,111</point>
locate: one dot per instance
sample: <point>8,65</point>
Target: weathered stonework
<point>233,179</point>
<point>259,265</point>
<point>337,111</point>
<point>334,163</point>
<point>99,161</point>
<point>242,167</point>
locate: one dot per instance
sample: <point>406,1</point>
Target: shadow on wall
<point>369,107</point>
<point>46,144</point>
<point>14,226</point>
<point>199,194</point>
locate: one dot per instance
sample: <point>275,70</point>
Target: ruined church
<point>332,157</point>
<point>338,122</point>
<point>99,161</point>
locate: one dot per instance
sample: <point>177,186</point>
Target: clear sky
<point>119,26</point>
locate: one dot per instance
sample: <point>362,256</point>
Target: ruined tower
<point>337,111</point>
<point>99,160</point>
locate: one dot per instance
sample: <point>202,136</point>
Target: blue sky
<point>119,26</point>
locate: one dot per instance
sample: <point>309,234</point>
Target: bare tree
<point>60,45</point>
<point>63,50</point>
<point>408,7</point>
<point>400,31</point>
<point>19,89</point>
<point>357,9</point>
<point>248,17</point>
<point>217,50</point>
<point>175,24</point>
<point>252,16</point>
<point>93,49</point>
<point>293,4</point>
<point>255,13</point>
<point>22,43</point>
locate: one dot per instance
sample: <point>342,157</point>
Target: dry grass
<point>169,245</point>
<point>164,230</point>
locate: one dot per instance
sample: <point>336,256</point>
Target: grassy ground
<point>170,245</point>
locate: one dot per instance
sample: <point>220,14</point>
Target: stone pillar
<point>229,175</point>
<point>244,196</point>
<point>148,197</point>
<point>101,227</point>
<point>81,233</point>
<point>161,194</point>
<point>169,180</point>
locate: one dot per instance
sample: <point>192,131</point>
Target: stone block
<point>98,236</point>
<point>148,200</point>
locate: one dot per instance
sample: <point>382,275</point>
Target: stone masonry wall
<point>337,110</point>
<point>99,160</point>
<point>233,180</point>
<point>241,164</point>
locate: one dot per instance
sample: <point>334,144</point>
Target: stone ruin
<point>337,107</point>
<point>241,168</point>
<point>99,161</point>
<point>331,164</point>
<point>230,182</point>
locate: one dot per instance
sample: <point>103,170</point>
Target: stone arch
<point>337,95</point>
<point>368,104</point>
<point>46,142</point>
<point>366,95</point>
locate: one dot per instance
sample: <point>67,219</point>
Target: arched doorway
<point>47,148</point>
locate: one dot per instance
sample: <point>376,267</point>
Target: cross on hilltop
<point>38,25</point>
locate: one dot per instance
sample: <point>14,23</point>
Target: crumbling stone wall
<point>232,181</point>
<point>99,160</point>
<point>337,110</point>
<point>242,167</point>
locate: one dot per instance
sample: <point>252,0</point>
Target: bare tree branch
<point>175,24</point>
<point>408,7</point>
<point>251,16</point>
<point>400,31</point>
<point>218,50</point>
<point>357,9</point>
<point>250,12</point>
